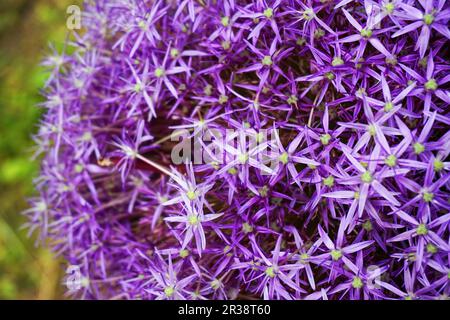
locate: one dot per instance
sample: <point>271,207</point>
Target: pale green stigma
<point>292,99</point>
<point>264,191</point>
<point>422,229</point>
<point>303,258</point>
<point>223,99</point>
<point>169,291</point>
<point>208,90</point>
<point>368,225</point>
<point>389,7</point>
<point>438,165</point>
<point>174,52</point>
<point>268,13</point>
<point>428,19</point>
<point>215,284</point>
<point>193,220</point>
<point>357,283</point>
<point>226,44</point>
<point>159,72</point>
<point>337,61</point>
<point>247,228</point>
<point>366,177</point>
<point>330,75</point>
<point>391,160</point>
<point>336,254</point>
<point>232,171</point>
<point>300,41</point>
<point>391,60</point>
<point>243,158</point>
<point>428,196</point>
<point>329,181</point>
<point>431,85</point>
<point>431,248</point>
<point>225,21</point>
<point>372,130</point>
<point>308,14</point>
<point>267,61</point>
<point>191,195</point>
<point>284,158</point>
<point>270,272</point>
<point>137,87</point>
<point>184,253</point>
<point>418,148</point>
<point>366,33</point>
<point>356,195</point>
<point>388,106</point>
<point>325,139</point>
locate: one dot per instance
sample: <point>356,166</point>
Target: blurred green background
<point>26,29</point>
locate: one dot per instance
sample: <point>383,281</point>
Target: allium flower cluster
<point>356,95</point>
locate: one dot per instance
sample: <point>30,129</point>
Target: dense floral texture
<point>356,94</point>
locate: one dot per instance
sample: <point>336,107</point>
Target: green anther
<point>303,258</point>
<point>226,44</point>
<point>215,284</point>
<point>300,41</point>
<point>372,130</point>
<point>408,297</point>
<point>142,25</point>
<point>431,85</point>
<point>79,168</point>
<point>264,191</point>
<point>366,177</point>
<point>366,33</point>
<point>389,7</point>
<point>259,137</point>
<point>208,90</point>
<point>308,14</point>
<point>388,106</point>
<point>391,160</point>
<point>329,181</point>
<point>368,225</point>
<point>448,275</point>
<point>391,60</point>
<point>191,195</point>
<point>267,61</point>
<point>431,248</point>
<point>268,13</point>
<point>357,283</point>
<point>292,99</point>
<point>184,253</point>
<point>159,72</point>
<point>232,171</point>
<point>337,61</point>
<point>422,229</point>
<point>423,62</point>
<point>193,220</point>
<point>174,52</point>
<point>438,165</point>
<point>336,254</point>
<point>428,19</point>
<point>169,291</point>
<point>325,139</point>
<point>330,75</point>
<point>418,148</point>
<point>243,158</point>
<point>137,87</point>
<point>356,195</point>
<point>428,196</point>
<point>319,33</point>
<point>284,158</point>
<point>247,228</point>
<point>225,21</point>
<point>270,272</point>
<point>223,99</point>
<point>312,167</point>
<point>215,165</point>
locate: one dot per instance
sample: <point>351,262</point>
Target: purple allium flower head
<point>325,125</point>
